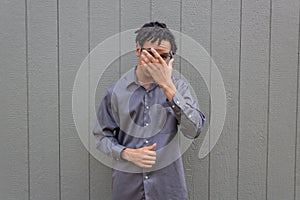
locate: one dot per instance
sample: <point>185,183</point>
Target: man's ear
<point>137,50</point>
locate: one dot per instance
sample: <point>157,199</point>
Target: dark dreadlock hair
<point>154,31</point>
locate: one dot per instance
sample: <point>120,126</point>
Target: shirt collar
<point>130,77</point>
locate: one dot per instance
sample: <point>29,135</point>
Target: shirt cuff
<point>116,151</point>
<point>177,102</point>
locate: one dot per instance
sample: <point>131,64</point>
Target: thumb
<point>152,147</point>
<point>170,64</point>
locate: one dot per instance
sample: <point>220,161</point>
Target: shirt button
<point>177,102</point>
<point>147,107</point>
<point>146,177</point>
<point>173,106</point>
<point>146,141</point>
<point>146,124</point>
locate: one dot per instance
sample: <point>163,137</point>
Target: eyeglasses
<point>166,57</point>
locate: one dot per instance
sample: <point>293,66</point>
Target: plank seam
<point>297,113</point>
<point>58,99</point>
<point>269,90</point>
<point>27,96</point>
<point>150,10</point>
<point>89,119</point>
<point>239,101</point>
<point>210,63</point>
<point>180,39</point>
<point>120,29</point>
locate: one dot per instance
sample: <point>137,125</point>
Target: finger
<point>146,64</point>
<point>152,147</point>
<point>170,64</point>
<point>143,63</point>
<point>146,166</point>
<point>156,54</point>
<point>150,158</point>
<point>150,67</point>
<point>145,58</point>
<point>151,153</point>
<point>148,162</point>
<point>149,56</point>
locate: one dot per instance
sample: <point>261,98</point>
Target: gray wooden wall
<point>254,43</point>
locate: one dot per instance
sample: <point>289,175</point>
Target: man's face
<point>163,49</point>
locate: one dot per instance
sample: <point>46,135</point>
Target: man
<point>138,121</point>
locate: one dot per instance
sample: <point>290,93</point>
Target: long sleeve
<point>190,118</point>
<point>106,129</point>
<point>126,119</point>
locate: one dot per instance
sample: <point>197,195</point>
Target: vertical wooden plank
<point>134,14</point>
<point>283,97</point>
<point>170,15</point>
<point>104,22</point>
<point>225,52</point>
<point>167,13</point>
<point>43,100</point>
<point>297,169</point>
<point>253,113</point>
<point>13,109</point>
<point>73,47</point>
<point>196,23</point>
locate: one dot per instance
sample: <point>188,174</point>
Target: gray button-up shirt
<point>131,116</point>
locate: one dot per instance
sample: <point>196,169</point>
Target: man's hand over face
<point>160,71</point>
<point>158,68</point>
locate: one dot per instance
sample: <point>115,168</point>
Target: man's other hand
<point>144,157</point>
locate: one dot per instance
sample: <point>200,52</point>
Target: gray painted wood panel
<point>283,97</point>
<point>13,109</point>
<point>173,15</point>
<point>255,157</point>
<point>225,53</point>
<point>104,22</point>
<point>196,24</point>
<point>133,15</point>
<point>253,99</point>
<point>297,156</point>
<point>73,47</point>
<point>43,100</point>
<point>169,14</point>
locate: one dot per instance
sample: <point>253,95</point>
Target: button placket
<point>146,109</point>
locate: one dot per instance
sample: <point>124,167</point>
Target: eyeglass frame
<point>171,54</point>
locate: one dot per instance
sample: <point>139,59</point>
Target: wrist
<point>169,90</point>
<point>125,154</point>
